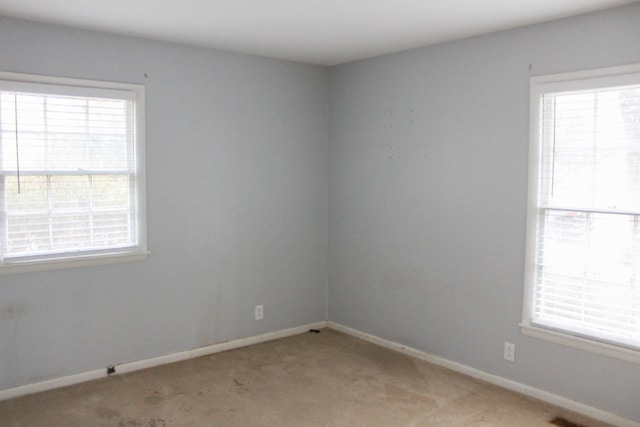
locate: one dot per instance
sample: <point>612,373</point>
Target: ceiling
<point>323,32</point>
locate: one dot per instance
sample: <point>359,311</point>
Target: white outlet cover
<point>259,312</point>
<point>509,351</point>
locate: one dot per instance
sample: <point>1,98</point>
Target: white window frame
<point>63,85</point>
<point>627,74</point>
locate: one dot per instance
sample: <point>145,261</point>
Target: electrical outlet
<point>259,312</point>
<point>509,351</point>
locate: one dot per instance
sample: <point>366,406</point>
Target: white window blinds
<point>68,170</point>
<point>586,261</point>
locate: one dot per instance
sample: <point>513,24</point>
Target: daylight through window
<point>71,170</point>
<point>584,225</point>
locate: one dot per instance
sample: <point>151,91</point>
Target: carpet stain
<point>561,422</point>
<point>107,413</point>
<point>151,422</point>
<point>153,399</point>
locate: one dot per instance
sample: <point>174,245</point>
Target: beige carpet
<point>325,379</point>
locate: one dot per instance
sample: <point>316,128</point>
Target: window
<point>583,243</point>
<point>71,172</point>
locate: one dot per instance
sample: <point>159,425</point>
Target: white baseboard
<point>154,361</point>
<point>22,390</point>
<point>123,368</point>
<point>545,396</point>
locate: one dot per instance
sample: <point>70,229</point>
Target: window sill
<point>622,353</point>
<point>77,262</point>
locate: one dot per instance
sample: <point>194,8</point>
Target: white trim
<point>127,367</point>
<point>23,390</point>
<point>141,165</point>
<point>536,393</point>
<point>215,348</point>
<point>532,202</point>
<point>563,338</point>
<point>587,74</point>
<point>71,82</point>
<point>77,262</point>
<point>65,90</point>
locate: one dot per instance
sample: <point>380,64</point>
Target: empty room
<point>339,213</point>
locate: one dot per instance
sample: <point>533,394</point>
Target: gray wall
<point>237,208</point>
<point>427,163</point>
<point>427,199</point>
